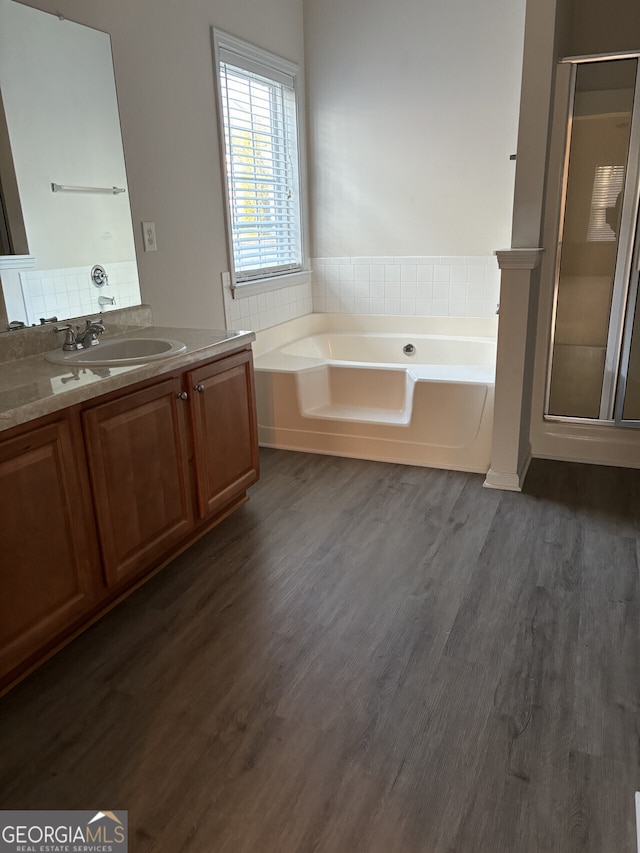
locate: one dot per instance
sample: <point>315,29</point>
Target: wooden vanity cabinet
<point>98,497</point>
<point>153,450</point>
<point>225,431</point>
<point>48,553</point>
<point>138,463</point>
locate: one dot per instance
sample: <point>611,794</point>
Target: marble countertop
<point>32,387</point>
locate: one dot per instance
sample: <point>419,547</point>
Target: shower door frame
<point>629,321</point>
<point>625,281</point>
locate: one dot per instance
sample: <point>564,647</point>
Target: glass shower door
<point>600,207</point>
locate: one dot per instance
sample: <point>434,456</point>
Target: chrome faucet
<point>76,339</point>
<point>70,342</point>
<point>88,337</point>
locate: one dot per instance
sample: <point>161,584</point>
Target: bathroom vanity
<point>107,473</point>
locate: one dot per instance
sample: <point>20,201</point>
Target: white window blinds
<point>261,158</point>
<point>606,201</point>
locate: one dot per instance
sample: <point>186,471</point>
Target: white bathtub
<point>344,385</point>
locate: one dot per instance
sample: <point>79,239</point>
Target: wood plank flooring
<point>366,658</point>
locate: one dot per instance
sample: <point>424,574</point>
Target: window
<point>258,116</point>
<point>606,201</point>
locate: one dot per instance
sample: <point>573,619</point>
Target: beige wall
<point>604,27</point>
<point>164,77</point>
<point>414,113</point>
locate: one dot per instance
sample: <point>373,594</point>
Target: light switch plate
<point>149,236</point>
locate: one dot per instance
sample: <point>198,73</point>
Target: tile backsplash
<point>432,286</point>
<point>438,286</point>
<point>264,310</point>
<point>70,292</point>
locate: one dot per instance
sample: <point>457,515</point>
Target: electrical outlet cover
<point>149,236</point>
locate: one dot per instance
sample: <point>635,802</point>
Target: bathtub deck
<point>482,374</point>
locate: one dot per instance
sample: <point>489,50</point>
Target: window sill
<point>264,285</point>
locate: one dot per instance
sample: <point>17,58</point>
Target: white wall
<point>413,116</point>
<point>164,78</point>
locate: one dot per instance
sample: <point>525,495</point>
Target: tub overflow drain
<point>408,349</point>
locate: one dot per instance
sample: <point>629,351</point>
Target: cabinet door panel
<point>140,479</point>
<point>46,572</point>
<point>225,431</point>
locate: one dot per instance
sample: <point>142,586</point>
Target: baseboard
<point>508,481</point>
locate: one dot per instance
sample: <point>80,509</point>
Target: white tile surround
<point>433,286</point>
<point>430,286</point>
<point>264,310</point>
<point>70,292</point>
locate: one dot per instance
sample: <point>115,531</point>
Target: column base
<point>508,481</point>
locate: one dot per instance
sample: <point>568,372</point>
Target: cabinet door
<point>225,431</point>
<point>139,471</point>
<point>49,566</point>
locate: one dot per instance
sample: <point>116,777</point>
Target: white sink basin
<point>120,351</point>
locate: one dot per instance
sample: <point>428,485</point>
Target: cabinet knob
<point>199,389</point>
<point>182,395</point>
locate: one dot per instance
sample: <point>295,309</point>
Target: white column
<point>511,451</point>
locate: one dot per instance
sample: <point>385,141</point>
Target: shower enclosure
<point>594,364</point>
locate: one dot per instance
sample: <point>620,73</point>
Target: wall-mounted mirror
<point>63,185</point>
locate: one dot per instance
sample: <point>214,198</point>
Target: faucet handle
<point>88,337</point>
<point>70,343</point>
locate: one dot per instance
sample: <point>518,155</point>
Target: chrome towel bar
<point>63,188</point>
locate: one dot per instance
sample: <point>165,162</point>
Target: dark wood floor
<point>367,658</point>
